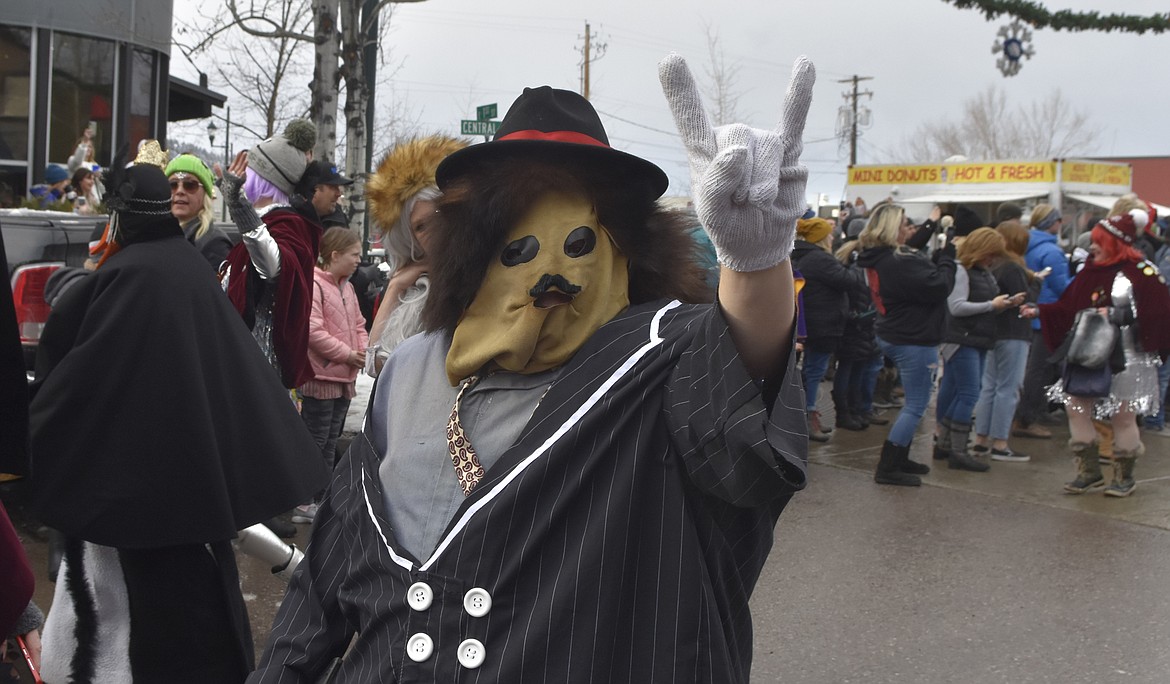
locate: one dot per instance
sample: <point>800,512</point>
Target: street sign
<point>484,128</point>
<point>485,112</point>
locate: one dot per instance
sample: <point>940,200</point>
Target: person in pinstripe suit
<point>573,478</point>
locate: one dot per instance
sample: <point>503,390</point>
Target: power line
<point>638,141</point>
<point>635,123</point>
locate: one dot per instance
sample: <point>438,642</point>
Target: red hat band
<point>555,136</point>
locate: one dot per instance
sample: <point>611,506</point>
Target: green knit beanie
<point>189,163</point>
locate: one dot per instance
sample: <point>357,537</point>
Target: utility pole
<point>227,153</point>
<point>853,115</point>
<point>587,53</point>
<point>585,66</point>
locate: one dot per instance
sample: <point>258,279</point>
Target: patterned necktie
<point>467,466</point>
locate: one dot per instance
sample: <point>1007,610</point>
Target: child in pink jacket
<point>337,346</point>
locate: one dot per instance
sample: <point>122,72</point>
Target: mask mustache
<point>548,282</point>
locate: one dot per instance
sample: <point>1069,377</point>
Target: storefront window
<point>141,96</point>
<point>82,95</point>
<point>15,96</point>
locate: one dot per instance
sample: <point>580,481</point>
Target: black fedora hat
<point>547,123</point>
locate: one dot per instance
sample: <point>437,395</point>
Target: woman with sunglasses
<point>191,184</point>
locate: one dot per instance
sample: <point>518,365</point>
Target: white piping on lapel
<point>654,341</point>
<point>370,512</point>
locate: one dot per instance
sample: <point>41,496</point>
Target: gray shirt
<point>958,302</point>
<point>408,422</point>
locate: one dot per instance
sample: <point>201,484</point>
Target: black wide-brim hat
<point>555,125</point>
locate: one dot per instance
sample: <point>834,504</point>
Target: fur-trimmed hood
<point>403,172</point>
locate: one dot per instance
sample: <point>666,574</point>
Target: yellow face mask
<point>558,279</point>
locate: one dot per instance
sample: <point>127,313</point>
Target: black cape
<point>13,385</point>
<point>156,420</point>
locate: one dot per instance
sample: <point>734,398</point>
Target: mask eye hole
<point>520,251</point>
<point>580,242</point>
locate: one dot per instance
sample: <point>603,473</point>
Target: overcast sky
<point>925,58</point>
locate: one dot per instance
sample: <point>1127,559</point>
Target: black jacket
<point>826,290</point>
<point>977,330</point>
<point>1013,279</point>
<point>858,342</point>
<point>910,293</point>
<point>595,534</point>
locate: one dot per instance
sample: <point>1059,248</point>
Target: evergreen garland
<point>1037,16</point>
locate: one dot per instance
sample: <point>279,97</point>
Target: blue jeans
<point>813,369</point>
<point>1159,420</point>
<point>1003,376</point>
<point>854,382</point>
<point>868,381</point>
<point>959,390</point>
<point>325,418</point>
<point>916,365</point>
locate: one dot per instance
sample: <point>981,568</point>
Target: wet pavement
<point>973,577</point>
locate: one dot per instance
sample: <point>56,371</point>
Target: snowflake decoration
<point>1012,43</point>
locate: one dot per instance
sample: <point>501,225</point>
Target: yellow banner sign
<point>892,175</point>
<point>979,172</point>
<point>1101,174</point>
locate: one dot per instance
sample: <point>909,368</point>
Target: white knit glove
<point>747,183</point>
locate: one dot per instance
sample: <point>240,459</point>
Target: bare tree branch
<point>258,58</point>
<point>722,77</point>
<point>256,72</point>
<point>990,129</point>
<point>276,30</point>
<point>376,14</point>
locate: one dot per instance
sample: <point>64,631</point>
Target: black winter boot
<point>889,468</point>
<point>847,420</point>
<point>912,467</point>
<point>960,459</point>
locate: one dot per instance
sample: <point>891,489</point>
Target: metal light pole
<point>227,136</point>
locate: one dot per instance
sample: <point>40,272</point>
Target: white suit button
<point>419,647</point>
<point>477,602</point>
<point>419,596</point>
<point>471,654</point>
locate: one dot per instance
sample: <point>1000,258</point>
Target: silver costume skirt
<point>1134,389</point>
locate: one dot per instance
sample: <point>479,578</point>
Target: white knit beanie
<point>281,159</point>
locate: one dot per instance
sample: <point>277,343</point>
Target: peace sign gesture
<point>747,183</point>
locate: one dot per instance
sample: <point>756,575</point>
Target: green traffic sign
<point>478,127</point>
<point>485,112</point>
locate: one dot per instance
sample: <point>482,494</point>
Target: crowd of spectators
<point>971,310</point>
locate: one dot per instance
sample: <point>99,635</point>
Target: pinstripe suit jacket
<point>618,540</point>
